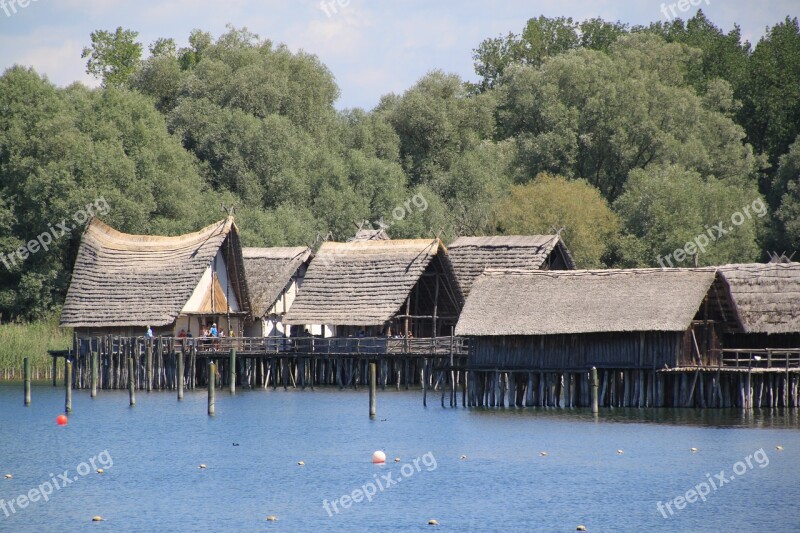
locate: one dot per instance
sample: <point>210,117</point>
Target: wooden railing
<point>760,358</point>
<point>335,345</point>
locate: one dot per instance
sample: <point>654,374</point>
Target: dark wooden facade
<point>634,350</point>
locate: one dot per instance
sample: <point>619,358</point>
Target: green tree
<point>64,149</point>
<point>788,179</point>
<point>723,55</point>
<point>552,203</point>
<point>199,42</point>
<point>259,118</point>
<point>113,57</point>
<point>771,93</point>
<point>285,225</point>
<point>665,207</point>
<point>598,34</point>
<point>427,217</point>
<point>164,47</point>
<point>435,121</point>
<point>475,182</point>
<point>541,38</point>
<point>598,116</point>
<point>160,77</point>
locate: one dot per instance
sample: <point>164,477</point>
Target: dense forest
<point>630,141</point>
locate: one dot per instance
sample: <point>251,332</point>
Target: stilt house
<point>572,320</point>
<point>274,276</point>
<point>380,288</point>
<point>472,255</point>
<point>123,283</point>
<point>766,301</point>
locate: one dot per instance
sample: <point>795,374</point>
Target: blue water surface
<point>252,446</point>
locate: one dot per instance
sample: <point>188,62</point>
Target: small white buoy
<point>8,476</point>
<point>97,518</point>
<point>100,471</point>
<point>543,454</point>
<point>378,457</point>
<point>693,450</point>
<point>463,457</point>
<point>620,452</point>
<point>301,463</point>
<point>779,447</point>
<point>396,459</point>
<point>201,466</point>
<point>272,518</point>
<point>433,522</point>
<point>580,528</point>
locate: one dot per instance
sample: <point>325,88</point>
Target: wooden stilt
<point>179,372</point>
<point>212,391</point>
<point>68,385</point>
<point>425,372</point>
<point>95,354</point>
<point>748,400</point>
<point>26,371</point>
<point>232,371</point>
<point>373,388</point>
<point>131,382</point>
<point>148,365</point>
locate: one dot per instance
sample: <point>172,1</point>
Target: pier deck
<point>259,361</point>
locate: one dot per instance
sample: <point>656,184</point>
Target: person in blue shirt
<point>213,332</point>
<point>149,333</point>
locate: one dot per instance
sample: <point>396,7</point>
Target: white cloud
<point>340,36</point>
<point>59,62</point>
<point>51,52</point>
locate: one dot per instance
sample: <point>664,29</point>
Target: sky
<point>372,47</point>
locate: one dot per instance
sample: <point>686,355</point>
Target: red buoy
<point>61,420</point>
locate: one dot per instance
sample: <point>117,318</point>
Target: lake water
<point>151,452</point>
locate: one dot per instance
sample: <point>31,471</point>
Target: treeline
<point>631,141</point>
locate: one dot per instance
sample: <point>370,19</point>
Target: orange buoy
<point>61,420</point>
<point>378,457</point>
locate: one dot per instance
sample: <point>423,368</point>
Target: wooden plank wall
<point>577,352</point>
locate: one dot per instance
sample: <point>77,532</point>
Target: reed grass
<point>32,340</point>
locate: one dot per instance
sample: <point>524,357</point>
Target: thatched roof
<point>269,271</point>
<point>140,280</point>
<point>583,301</point>
<point>766,296</point>
<point>472,255</point>
<point>362,283</point>
<point>368,234</point>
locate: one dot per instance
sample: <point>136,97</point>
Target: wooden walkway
<point>261,362</point>
<point>743,378</point>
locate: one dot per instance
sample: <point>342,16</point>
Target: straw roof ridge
<point>269,271</point>
<point>361,282</point>
<point>548,302</point>
<point>472,255</point>
<point>122,279</point>
<point>367,234</point>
